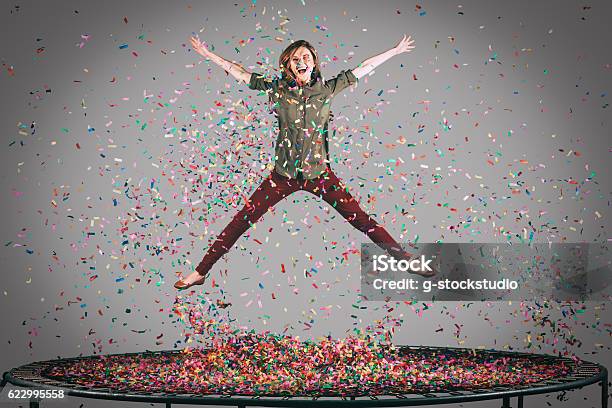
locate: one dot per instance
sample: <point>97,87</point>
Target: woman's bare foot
<point>426,274</point>
<point>193,279</point>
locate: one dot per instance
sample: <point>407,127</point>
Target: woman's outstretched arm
<point>405,45</point>
<point>234,69</point>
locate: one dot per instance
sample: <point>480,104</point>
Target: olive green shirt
<point>303,115</point>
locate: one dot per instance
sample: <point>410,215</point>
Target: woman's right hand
<point>199,47</point>
<point>405,45</point>
<point>231,67</point>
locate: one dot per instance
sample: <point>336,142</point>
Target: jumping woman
<point>301,99</point>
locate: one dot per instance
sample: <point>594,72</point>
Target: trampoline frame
<point>586,373</point>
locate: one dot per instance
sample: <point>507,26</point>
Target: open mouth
<point>301,71</point>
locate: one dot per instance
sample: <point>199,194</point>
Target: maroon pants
<point>276,187</point>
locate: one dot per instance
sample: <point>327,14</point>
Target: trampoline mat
<point>329,368</point>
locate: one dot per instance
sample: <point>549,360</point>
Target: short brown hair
<point>288,53</point>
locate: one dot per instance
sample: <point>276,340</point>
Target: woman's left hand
<point>405,45</point>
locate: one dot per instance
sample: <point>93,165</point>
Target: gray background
<point>531,83</point>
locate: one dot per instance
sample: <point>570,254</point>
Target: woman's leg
<point>273,189</point>
<point>331,189</point>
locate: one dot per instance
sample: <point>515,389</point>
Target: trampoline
<point>550,374</point>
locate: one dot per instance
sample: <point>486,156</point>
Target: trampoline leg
<point>506,403</point>
<point>168,405</point>
<point>520,401</point>
<point>34,403</point>
<point>604,392</point>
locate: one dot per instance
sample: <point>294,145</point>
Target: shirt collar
<point>293,83</point>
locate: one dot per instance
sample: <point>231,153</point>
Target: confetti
<point>269,364</point>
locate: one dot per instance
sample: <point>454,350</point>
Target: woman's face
<point>301,64</point>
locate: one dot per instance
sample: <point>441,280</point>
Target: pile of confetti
<point>268,364</point>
